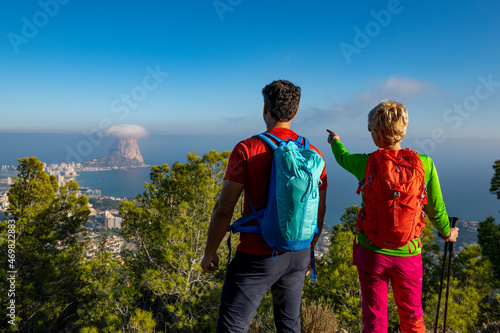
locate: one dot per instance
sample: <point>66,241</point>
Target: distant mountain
<point>123,153</point>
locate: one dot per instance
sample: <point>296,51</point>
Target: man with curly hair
<point>254,270</point>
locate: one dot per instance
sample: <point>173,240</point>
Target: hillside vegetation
<point>161,287</point>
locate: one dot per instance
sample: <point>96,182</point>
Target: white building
<point>114,222</point>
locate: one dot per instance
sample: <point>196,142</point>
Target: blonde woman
<point>380,262</point>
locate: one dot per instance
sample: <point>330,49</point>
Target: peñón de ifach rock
<point>124,153</point>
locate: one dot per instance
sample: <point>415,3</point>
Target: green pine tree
<point>48,218</point>
<point>495,180</point>
<point>471,293</point>
<point>168,222</point>
<point>488,237</point>
<point>106,297</point>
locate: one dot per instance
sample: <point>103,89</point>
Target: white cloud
<point>394,88</point>
<point>126,130</point>
<point>359,104</point>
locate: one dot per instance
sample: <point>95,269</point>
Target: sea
<point>464,165</point>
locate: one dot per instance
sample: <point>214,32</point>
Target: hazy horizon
<point>464,165</point>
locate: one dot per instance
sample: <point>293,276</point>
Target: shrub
<point>317,318</point>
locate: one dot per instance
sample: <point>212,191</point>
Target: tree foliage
<point>347,220</point>
<point>169,222</point>
<point>488,237</point>
<point>471,292</point>
<point>495,180</point>
<point>47,252</point>
<point>472,286</point>
<point>160,287</point>
<point>106,297</point>
<point>338,283</point>
<point>430,262</point>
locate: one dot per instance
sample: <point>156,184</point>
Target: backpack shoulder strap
<point>301,141</point>
<point>373,159</point>
<point>268,138</point>
<point>413,159</point>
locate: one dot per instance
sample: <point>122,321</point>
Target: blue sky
<point>199,66</point>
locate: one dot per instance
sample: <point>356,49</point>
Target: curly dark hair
<point>282,99</point>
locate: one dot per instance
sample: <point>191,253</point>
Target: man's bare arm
<point>219,223</point>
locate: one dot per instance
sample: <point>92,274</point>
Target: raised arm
<point>353,163</point>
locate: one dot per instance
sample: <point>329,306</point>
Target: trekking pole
<point>453,221</point>
<point>448,247</point>
<point>440,288</point>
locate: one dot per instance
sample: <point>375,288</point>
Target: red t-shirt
<point>250,164</point>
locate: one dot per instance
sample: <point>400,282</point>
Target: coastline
<point>94,169</point>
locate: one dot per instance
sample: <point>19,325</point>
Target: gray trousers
<point>248,279</point>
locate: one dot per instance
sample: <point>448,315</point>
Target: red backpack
<point>394,193</point>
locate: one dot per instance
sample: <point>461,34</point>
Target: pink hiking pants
<point>375,270</point>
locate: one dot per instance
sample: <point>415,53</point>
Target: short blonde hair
<point>389,120</point>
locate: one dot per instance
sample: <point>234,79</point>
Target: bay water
<point>464,165</point>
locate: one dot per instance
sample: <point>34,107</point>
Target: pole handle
<point>453,223</point>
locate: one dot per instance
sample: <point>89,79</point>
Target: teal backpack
<point>290,220</point>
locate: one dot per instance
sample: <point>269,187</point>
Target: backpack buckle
<point>361,184</point>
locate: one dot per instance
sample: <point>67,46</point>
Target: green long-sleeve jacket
<point>435,208</point>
